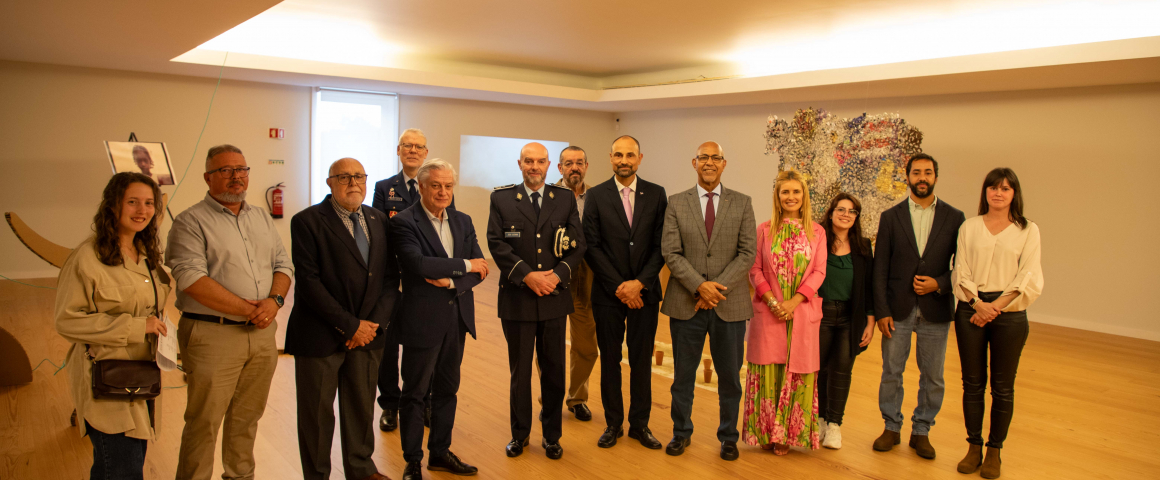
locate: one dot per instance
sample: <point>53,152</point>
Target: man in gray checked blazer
<point>709,243</point>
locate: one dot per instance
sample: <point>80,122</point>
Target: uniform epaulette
<point>561,187</point>
<point>505,187</point>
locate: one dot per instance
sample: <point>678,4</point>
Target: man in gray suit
<point>709,243</point>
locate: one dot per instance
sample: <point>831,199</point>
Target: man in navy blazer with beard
<point>441,262</point>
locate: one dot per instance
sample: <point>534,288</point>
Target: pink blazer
<point>767,331</point>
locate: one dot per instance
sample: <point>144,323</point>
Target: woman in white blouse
<point>997,276</point>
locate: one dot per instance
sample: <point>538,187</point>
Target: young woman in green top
<point>847,311</point>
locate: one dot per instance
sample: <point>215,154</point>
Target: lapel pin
<point>519,196</point>
<point>551,194</point>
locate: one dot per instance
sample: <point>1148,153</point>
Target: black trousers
<point>390,394</point>
<point>352,375</point>
<point>837,361</point>
<point>436,370</point>
<point>612,323</point>
<point>1005,337</point>
<point>546,339</point>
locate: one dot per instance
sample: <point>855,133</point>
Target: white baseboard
<point>1153,335</point>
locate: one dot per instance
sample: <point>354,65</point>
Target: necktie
<point>624,194</point>
<point>536,203</point>
<point>710,216</point>
<point>411,190</point>
<point>360,239</point>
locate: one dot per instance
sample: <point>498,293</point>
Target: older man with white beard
<point>232,273</point>
<point>347,286</point>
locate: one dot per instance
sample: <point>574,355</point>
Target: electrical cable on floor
<point>58,368</point>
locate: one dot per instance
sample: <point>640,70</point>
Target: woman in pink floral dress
<point>781,403</point>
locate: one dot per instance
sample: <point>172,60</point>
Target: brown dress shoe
<point>973,459</point>
<point>991,464</point>
<point>921,443</point>
<point>887,441</point>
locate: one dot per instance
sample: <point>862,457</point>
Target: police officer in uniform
<point>392,196</point>
<point>536,240</point>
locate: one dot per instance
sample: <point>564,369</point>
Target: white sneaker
<point>822,427</point>
<point>833,436</point>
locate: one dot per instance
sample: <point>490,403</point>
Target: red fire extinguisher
<point>274,201</point>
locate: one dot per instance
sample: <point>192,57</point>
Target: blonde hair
<point>806,215</point>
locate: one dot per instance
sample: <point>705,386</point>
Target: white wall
<point>56,119</point>
<point>444,120</point>
<point>1086,158</point>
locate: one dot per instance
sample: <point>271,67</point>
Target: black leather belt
<point>212,319</point>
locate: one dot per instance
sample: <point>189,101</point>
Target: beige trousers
<point>228,372</point>
<point>583,354</point>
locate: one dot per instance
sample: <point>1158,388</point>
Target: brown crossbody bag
<point>127,379</point>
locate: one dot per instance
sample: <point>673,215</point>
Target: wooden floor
<point>1088,406</point>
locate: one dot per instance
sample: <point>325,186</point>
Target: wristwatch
<point>280,300</point>
<point>973,301</point>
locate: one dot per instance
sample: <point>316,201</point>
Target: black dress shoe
<point>581,412</point>
<point>427,417</point>
<point>448,462</point>
<point>645,436</point>
<point>677,445</point>
<point>413,471</point>
<point>516,447</point>
<point>608,439</point>
<point>729,451</point>
<point>389,421</point>
<point>553,449</point>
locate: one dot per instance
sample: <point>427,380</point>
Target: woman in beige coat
<point>106,304</point>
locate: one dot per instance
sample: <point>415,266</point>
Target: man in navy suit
<point>346,290</point>
<point>624,218</point>
<point>392,196</point>
<point>912,295</point>
<point>441,262</point>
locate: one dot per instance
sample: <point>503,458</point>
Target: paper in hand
<point>167,346</point>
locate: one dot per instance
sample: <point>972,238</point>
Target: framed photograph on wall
<point>149,158</point>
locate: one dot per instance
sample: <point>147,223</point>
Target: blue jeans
<point>727,347</point>
<point>116,456</point>
<point>931,356</point>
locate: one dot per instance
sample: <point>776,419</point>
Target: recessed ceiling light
<point>308,37</point>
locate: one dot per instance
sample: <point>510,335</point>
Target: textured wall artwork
<point>864,156</point>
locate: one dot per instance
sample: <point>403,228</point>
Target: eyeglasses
<point>228,172</point>
<point>844,212</point>
<point>345,178</point>
<point>710,158</point>
<point>416,146</point>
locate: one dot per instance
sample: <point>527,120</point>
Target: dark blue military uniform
<point>522,241</point>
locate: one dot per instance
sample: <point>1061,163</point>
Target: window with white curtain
<point>360,125</point>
